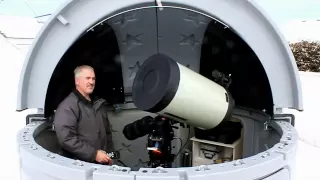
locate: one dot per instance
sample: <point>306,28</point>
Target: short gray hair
<point>78,70</point>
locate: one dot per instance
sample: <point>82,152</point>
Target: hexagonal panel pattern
<point>181,33</point>
<point>136,32</point>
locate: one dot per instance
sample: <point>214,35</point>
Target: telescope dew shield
<point>170,89</point>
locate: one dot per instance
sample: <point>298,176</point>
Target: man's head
<point>85,79</point>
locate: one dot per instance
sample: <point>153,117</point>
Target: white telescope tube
<point>170,89</point>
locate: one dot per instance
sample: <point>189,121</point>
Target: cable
<point>180,142</point>
<point>122,163</point>
<point>183,145</point>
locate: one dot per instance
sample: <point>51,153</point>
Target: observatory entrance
<point>118,46</point>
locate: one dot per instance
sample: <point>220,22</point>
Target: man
<point>81,123</point>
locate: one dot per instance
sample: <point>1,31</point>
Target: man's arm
<point>65,121</point>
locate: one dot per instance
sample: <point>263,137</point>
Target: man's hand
<point>102,157</point>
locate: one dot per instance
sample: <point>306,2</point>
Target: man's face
<point>86,81</point>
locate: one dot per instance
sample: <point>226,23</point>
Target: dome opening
<point>117,47</point>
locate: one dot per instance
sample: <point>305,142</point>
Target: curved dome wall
<point>246,19</point>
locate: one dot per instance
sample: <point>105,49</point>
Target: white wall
<point>11,121</point>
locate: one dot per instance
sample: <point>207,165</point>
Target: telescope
<point>165,87</point>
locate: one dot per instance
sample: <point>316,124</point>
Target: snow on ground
<point>307,162</point>
<point>297,30</point>
<point>11,121</point>
<point>307,125</point>
<point>308,121</point>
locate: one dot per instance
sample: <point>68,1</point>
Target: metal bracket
<point>34,117</point>
<point>159,3</point>
<point>290,118</point>
<point>266,125</point>
<point>117,108</point>
<point>279,117</point>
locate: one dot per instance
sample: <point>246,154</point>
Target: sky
<point>281,11</point>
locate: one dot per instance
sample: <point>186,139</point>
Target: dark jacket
<point>82,127</point>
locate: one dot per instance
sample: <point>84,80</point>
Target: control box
<point>205,152</point>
